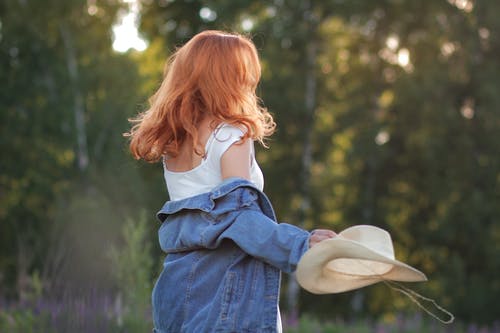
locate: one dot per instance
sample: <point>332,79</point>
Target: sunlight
<point>484,33</point>
<point>403,57</point>
<point>125,33</point>
<point>448,48</point>
<point>247,24</point>
<point>467,109</point>
<point>465,5</point>
<point>392,42</point>
<point>392,55</point>
<point>207,14</point>
<point>382,138</point>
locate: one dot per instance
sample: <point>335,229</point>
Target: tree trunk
<point>79,107</point>
<point>308,128</point>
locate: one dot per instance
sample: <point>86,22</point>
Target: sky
<point>126,35</point>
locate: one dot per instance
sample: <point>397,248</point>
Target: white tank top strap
<point>223,137</point>
<point>210,142</point>
<point>207,175</point>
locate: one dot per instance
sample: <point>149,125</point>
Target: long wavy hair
<point>214,74</point>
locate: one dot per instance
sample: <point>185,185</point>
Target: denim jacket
<point>225,253</point>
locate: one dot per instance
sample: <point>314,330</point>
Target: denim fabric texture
<point>225,253</point>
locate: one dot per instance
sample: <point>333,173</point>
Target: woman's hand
<point>319,235</point>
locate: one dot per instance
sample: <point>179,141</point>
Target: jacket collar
<point>206,201</point>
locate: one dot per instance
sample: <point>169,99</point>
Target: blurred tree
<point>408,110</point>
<point>387,114</point>
<point>132,268</point>
<point>403,119</point>
<point>64,103</point>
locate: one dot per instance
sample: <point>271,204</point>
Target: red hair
<point>214,74</point>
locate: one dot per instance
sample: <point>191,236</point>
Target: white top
<point>207,174</point>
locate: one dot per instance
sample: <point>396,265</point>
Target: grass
<point>105,314</point>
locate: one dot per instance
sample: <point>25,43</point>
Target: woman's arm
<point>236,160</point>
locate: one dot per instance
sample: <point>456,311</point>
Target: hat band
<point>358,267</point>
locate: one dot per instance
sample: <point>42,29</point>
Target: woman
<point>225,248</point>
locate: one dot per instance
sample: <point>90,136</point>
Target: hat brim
<point>315,274</point>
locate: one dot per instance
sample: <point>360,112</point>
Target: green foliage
<point>408,145</point>
<point>405,154</point>
<point>34,289</point>
<point>388,324</point>
<point>44,188</point>
<point>24,321</point>
<point>132,266</point>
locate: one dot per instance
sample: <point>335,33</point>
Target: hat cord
<point>413,296</point>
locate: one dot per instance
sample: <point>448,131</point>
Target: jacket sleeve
<point>279,244</point>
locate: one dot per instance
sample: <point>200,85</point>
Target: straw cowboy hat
<point>358,256</point>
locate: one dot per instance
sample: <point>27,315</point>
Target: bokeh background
<point>388,114</point>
